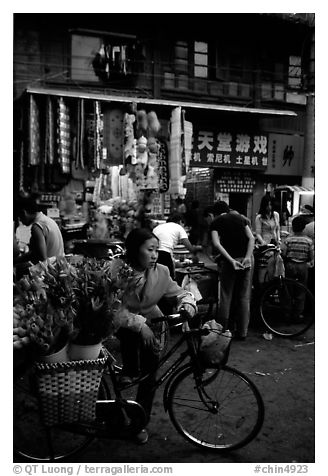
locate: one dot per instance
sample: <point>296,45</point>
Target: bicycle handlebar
<point>262,249</point>
<point>177,317</point>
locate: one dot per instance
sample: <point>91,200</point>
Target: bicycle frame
<point>169,373</point>
<point>96,428</point>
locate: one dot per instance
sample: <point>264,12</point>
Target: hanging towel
<point>63,136</point>
<point>34,136</point>
<point>175,152</point>
<point>49,133</point>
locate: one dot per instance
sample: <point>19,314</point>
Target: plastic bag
<point>276,267</point>
<point>188,284</point>
<point>214,347</point>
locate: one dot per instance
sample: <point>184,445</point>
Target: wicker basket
<point>68,390</point>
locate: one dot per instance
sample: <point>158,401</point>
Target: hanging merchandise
<point>175,156</point>
<point>49,148</point>
<point>90,126</point>
<point>183,149</point>
<point>113,135</point>
<point>142,123</point>
<point>34,133</point>
<point>130,143</point>
<point>79,169</point>
<point>163,166</point>
<point>22,191</point>
<point>147,168</point>
<point>21,170</point>
<point>154,125</point>
<point>63,136</point>
<point>187,141</point>
<point>79,161</point>
<point>98,136</point>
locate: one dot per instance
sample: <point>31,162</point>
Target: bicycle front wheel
<point>34,441</point>
<point>220,410</point>
<point>287,307</point>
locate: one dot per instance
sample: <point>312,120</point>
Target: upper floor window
<point>96,57</point>
<point>181,57</point>
<point>200,59</point>
<point>295,72</point>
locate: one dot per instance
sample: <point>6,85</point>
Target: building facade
<point>244,81</point>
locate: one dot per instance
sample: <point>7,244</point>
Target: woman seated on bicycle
<point>139,337</point>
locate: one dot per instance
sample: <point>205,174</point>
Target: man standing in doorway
<point>233,238</point>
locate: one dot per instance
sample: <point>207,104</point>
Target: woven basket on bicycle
<point>68,390</point>
<point>213,349</point>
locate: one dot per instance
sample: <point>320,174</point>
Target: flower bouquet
<point>63,302</point>
<point>43,307</point>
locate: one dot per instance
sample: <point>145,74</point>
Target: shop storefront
<point>88,158</point>
<point>131,158</point>
<point>237,158</point>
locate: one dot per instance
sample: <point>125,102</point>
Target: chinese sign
<point>285,154</point>
<point>226,149</point>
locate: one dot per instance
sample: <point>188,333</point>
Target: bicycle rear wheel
<point>287,307</point>
<point>220,410</point>
<point>32,440</point>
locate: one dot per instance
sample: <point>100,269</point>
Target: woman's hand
<point>237,265</point>
<point>148,337</point>
<point>188,309</point>
<point>247,263</point>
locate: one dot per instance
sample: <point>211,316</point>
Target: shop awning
<point>297,188</point>
<point>158,102</point>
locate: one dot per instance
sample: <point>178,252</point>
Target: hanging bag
<point>214,347</point>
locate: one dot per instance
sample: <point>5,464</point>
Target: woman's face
<point>148,254</point>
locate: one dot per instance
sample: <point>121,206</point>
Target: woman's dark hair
<point>175,217</point>
<point>263,206</point>
<point>133,242</point>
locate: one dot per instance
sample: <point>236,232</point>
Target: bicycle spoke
<point>229,414</point>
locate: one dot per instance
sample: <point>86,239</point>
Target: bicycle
<point>218,409</point>
<point>286,306</point>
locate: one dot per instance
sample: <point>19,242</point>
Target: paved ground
<point>283,371</point>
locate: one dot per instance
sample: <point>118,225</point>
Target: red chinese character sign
<point>232,150</point>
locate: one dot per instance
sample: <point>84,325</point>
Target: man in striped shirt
<point>298,252</point>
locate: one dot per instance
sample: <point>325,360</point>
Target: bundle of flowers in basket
<point>98,287</point>
<point>60,303</point>
<point>43,307</point>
